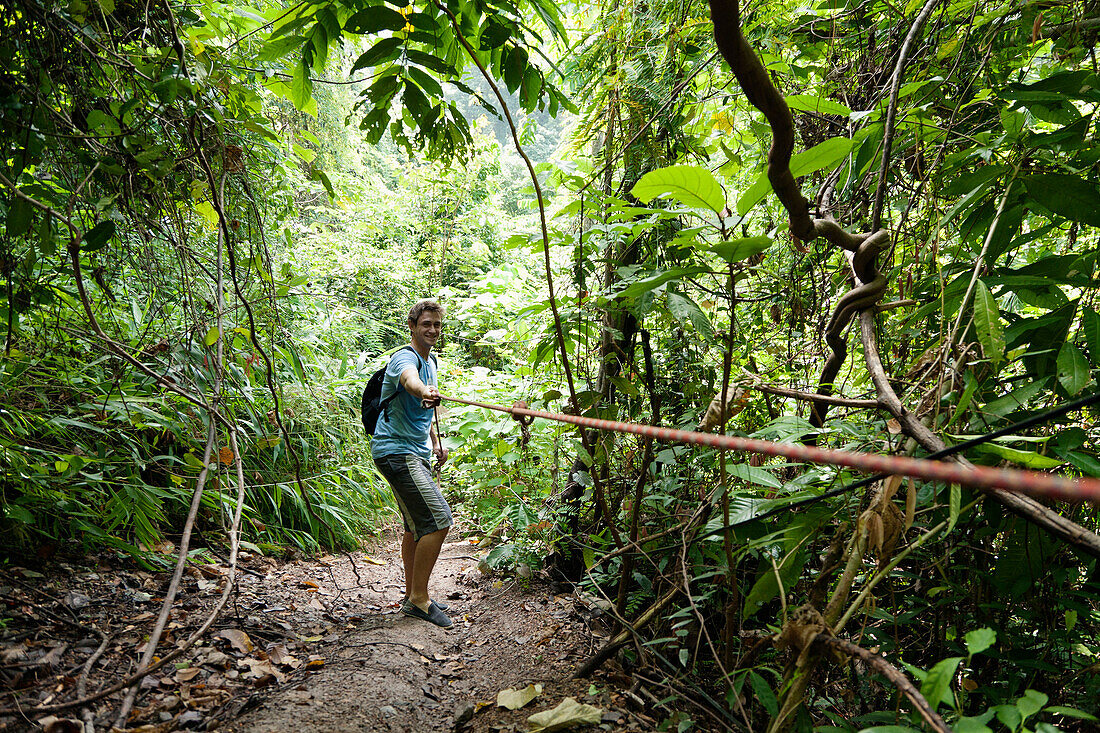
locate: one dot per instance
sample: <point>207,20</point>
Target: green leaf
<point>434,63</point>
<point>652,282</point>
<point>20,216</point>
<point>764,694</point>
<point>1087,464</point>
<point>978,640</point>
<point>736,250</point>
<point>514,66</point>
<point>426,82</point>
<point>212,336</point>
<point>684,308</point>
<point>1070,196</point>
<point>987,320</point>
<point>1009,716</point>
<point>18,513</point>
<point>375,18</point>
<point>936,687</point>
<point>1090,323</point>
<point>1073,369</point>
<point>820,156</point>
<point>820,105</point>
<point>101,123</point>
<point>206,210</point>
<point>301,86</point>
<point>304,153</point>
<point>493,34</point>
<point>964,400</point>
<point>1070,712</point>
<point>954,504</point>
<point>754,475</point>
<point>1029,459</point>
<point>98,236</point>
<point>691,185</point>
<point>974,724</point>
<point>1030,703</point>
<point>384,50</point>
<point>767,585</point>
<point>1014,400</point>
<point>383,89</point>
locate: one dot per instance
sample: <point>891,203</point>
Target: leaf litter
<point>303,645</point>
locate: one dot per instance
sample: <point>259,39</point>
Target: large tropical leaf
<point>691,185</point>
<point>1069,196</point>
<point>987,321</point>
<point>822,155</point>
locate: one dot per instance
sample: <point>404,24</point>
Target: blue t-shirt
<point>403,424</point>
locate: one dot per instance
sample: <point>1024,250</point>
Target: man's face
<point>426,331</point>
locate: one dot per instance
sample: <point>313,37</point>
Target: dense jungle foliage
<point>216,215</point>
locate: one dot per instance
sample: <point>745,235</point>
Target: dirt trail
<point>385,672</point>
<point>304,645</point>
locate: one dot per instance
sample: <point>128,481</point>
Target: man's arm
<point>429,397</point>
<point>426,393</point>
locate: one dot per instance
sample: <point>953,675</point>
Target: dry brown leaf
<point>187,674</point>
<point>893,426</point>
<point>54,724</point>
<point>212,571</point>
<point>309,584</point>
<point>736,399</point>
<point>910,504</point>
<point>259,668</point>
<point>13,653</point>
<point>283,658</point>
<point>225,455</point>
<point>215,658</point>
<point>889,488</point>
<point>238,639</point>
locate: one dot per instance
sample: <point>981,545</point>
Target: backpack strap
<point>385,404</point>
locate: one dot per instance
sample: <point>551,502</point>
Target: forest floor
<point>304,644</point>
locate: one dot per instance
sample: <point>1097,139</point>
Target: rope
<point>981,477</point>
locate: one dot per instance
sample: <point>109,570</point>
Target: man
<point>401,451</point>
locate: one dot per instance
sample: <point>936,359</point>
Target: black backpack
<point>373,404</point>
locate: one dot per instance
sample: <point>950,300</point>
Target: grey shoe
<point>434,615</point>
<point>442,606</point>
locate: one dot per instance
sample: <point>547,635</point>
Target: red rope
<point>981,477</point>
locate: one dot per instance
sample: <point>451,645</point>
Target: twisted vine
<point>870,285</point>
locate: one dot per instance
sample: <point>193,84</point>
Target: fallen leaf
<point>216,658</point>
<point>566,715</point>
<point>237,638</point>
<point>514,699</point>
<point>213,571</point>
<point>283,658</point>
<point>187,674</point>
<point>53,724</point>
<point>309,584</point>
<point>260,668</point>
<point>315,662</point>
<point>372,561</point>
